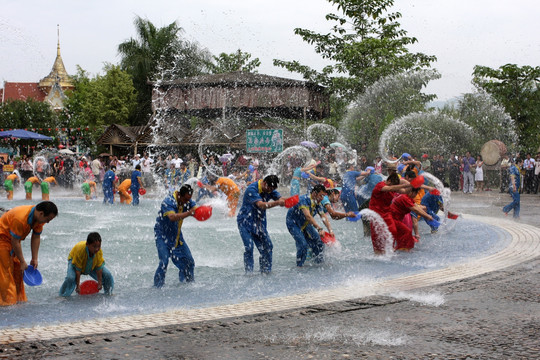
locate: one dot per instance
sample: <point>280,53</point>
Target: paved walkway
<point>379,320</point>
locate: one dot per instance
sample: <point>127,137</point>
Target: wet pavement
<point>494,314</point>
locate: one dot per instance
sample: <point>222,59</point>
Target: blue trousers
<point>307,238</point>
<point>134,195</point>
<point>434,216</point>
<point>515,204</point>
<point>108,195</point>
<point>349,201</point>
<point>181,258</point>
<point>263,243</point>
<point>69,284</point>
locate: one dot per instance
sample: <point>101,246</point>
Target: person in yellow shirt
<point>229,188</point>
<point>86,258</point>
<point>123,191</point>
<point>45,185</point>
<point>88,188</point>
<point>10,181</point>
<point>29,184</point>
<point>15,225</point>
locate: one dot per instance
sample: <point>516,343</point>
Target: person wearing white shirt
<point>146,164</point>
<point>176,161</point>
<point>529,166</point>
<point>136,161</point>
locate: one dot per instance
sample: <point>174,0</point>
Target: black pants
<point>528,181</point>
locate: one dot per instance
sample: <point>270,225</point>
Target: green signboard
<point>264,141</point>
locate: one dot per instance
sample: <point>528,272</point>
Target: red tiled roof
<point>22,91</point>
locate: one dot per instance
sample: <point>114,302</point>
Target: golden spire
<point>58,72</point>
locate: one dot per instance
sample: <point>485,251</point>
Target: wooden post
<point>305,119</point>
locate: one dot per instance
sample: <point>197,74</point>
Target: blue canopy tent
<point>23,134</point>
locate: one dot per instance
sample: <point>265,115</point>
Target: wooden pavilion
<point>217,109</point>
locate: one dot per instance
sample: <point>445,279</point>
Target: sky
<point>460,33</point>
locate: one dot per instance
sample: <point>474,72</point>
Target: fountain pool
<point>130,254</point>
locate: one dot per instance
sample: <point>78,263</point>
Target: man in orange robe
<point>15,225</point>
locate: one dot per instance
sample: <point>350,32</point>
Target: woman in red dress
<point>401,206</point>
<point>381,198</point>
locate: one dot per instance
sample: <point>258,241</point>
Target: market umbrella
<point>309,144</point>
<point>24,134</point>
<point>226,157</point>
<point>338,145</point>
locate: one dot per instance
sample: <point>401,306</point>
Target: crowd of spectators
<point>458,172</point>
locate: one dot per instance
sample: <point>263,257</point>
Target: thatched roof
<point>237,79</point>
<point>247,94</point>
<point>120,135</point>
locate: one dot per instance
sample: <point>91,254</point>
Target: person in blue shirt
<point>297,175</point>
<point>109,183</point>
<point>348,196</point>
<point>182,175</point>
<point>304,229</point>
<point>251,219</point>
<point>136,184</point>
<point>514,188</point>
<point>170,241</point>
<point>433,202</point>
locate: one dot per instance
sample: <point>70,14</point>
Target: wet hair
<point>138,167</point>
<point>186,189</point>
<point>393,179</point>
<point>410,174</point>
<point>332,191</point>
<point>113,167</point>
<point>318,188</point>
<point>93,237</point>
<point>272,181</point>
<point>48,208</point>
<point>414,191</point>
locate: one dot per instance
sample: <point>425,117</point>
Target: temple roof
<point>22,91</point>
<point>235,79</point>
<point>57,74</point>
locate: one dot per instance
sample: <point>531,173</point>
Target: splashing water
<point>414,132</point>
<point>279,162</point>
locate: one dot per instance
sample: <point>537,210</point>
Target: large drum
<point>492,152</point>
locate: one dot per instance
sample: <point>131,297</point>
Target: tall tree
<point>158,53</point>
<point>101,101</point>
<point>237,61</point>
<point>366,44</point>
<point>518,90</point>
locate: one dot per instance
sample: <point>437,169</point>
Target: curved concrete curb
<point>524,245</point>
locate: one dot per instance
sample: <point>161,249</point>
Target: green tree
<point>101,101</point>
<point>517,89</point>
<point>237,61</point>
<point>19,114</point>
<point>158,53</point>
<point>365,45</point>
